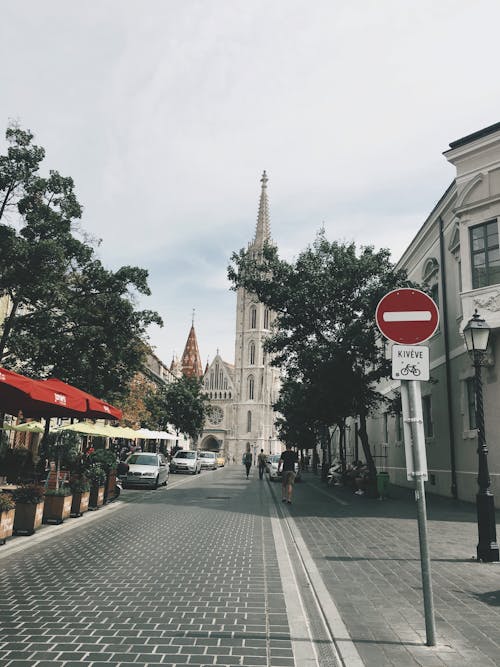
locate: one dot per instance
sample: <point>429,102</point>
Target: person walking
<point>247,461</point>
<point>261,460</point>
<point>286,467</point>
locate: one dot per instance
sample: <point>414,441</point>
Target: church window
<point>251,387</point>
<point>253,317</point>
<point>224,394</point>
<point>266,318</point>
<point>251,353</point>
<point>249,421</point>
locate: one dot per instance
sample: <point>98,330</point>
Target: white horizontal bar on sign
<point>408,316</point>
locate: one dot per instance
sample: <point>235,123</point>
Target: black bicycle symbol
<point>410,368</point>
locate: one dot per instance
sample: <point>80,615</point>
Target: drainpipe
<point>451,429</point>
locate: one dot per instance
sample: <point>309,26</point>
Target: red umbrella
<point>96,409</point>
<point>37,399</point>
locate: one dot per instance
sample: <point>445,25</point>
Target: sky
<point>166,113</point>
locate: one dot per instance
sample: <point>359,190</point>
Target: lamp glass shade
<point>476,334</point>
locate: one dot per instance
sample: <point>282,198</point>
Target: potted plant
<point>57,504</point>
<point>106,458</point>
<point>80,486</point>
<point>7,511</point>
<point>29,499</point>
<point>96,474</point>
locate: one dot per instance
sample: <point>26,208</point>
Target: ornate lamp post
<point>476,334</point>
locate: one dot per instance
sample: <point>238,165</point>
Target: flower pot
<point>57,508</point>
<point>80,503</point>
<point>96,499</point>
<point>28,518</point>
<point>6,524</point>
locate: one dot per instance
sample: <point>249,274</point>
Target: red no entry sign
<point>407,316</point>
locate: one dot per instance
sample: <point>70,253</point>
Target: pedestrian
<point>286,467</point>
<point>247,460</point>
<point>261,460</point>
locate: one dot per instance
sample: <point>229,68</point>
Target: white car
<point>145,469</point>
<point>186,461</point>
<point>208,460</point>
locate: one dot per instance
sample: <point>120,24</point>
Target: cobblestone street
<point>214,570</point>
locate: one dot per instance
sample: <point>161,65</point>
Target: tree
<point>325,335</point>
<point>68,316</point>
<point>135,410</point>
<point>180,404</point>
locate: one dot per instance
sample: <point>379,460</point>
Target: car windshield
<point>143,460</point>
<point>207,455</point>
<point>185,455</point>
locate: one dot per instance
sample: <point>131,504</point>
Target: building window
<point>399,427</point>
<point>471,403</point>
<point>249,421</point>
<point>435,294</point>
<point>251,387</point>
<point>266,318</point>
<point>253,317</point>
<point>485,254</point>
<point>427,414</point>
<point>251,353</point>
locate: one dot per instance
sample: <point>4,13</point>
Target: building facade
<point>242,395</point>
<point>456,256</point>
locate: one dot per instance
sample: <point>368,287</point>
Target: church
<point>240,395</point>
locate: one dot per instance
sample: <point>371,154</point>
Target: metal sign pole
<point>412,401</point>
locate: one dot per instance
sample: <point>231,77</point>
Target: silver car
<point>185,461</point>
<point>145,469</point>
<point>208,460</point>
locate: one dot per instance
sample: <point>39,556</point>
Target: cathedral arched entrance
<point>211,444</point>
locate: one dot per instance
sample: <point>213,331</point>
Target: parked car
<point>221,461</point>
<point>208,460</point>
<point>186,461</point>
<point>145,469</point>
<point>272,468</point>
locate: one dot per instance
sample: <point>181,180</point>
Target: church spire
<point>191,361</point>
<point>263,228</point>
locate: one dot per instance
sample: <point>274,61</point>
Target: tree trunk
<point>7,327</point>
<point>363,436</point>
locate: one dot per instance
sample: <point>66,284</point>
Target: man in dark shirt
<point>286,467</point>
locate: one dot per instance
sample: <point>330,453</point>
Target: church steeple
<point>191,361</point>
<point>263,227</point>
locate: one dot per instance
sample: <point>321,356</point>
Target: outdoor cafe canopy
<point>49,398</point>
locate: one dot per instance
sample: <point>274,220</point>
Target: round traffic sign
<point>407,316</point>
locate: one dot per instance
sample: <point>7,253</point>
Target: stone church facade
<point>241,396</point>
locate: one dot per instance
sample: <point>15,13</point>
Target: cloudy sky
<point>165,114</point>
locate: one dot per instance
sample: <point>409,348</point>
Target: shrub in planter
<point>80,486</point>
<point>57,504</point>
<point>96,474</point>
<point>7,511</point>
<point>29,499</point>
<point>17,464</point>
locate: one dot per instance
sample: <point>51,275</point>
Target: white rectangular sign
<point>410,362</point>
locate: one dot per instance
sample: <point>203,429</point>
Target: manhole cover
<point>218,497</point>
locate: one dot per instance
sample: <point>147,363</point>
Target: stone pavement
<point>186,575</point>
<point>368,554</point>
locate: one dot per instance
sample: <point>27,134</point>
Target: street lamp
<point>476,334</point>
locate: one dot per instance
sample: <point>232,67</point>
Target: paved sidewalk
<point>368,554</point>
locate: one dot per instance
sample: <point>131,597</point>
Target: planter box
<point>27,518</point>
<point>80,503</point>
<point>57,508</point>
<point>6,524</point>
<point>110,486</point>
<point>96,499</point>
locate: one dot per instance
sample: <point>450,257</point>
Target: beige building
<point>456,254</point>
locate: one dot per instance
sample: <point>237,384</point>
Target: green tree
<point>68,316</point>
<point>325,334</point>
<point>180,404</point>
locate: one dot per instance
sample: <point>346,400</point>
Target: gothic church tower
<point>256,382</point>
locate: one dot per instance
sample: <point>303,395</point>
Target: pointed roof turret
<point>263,227</point>
<point>175,366</point>
<point>191,361</point>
